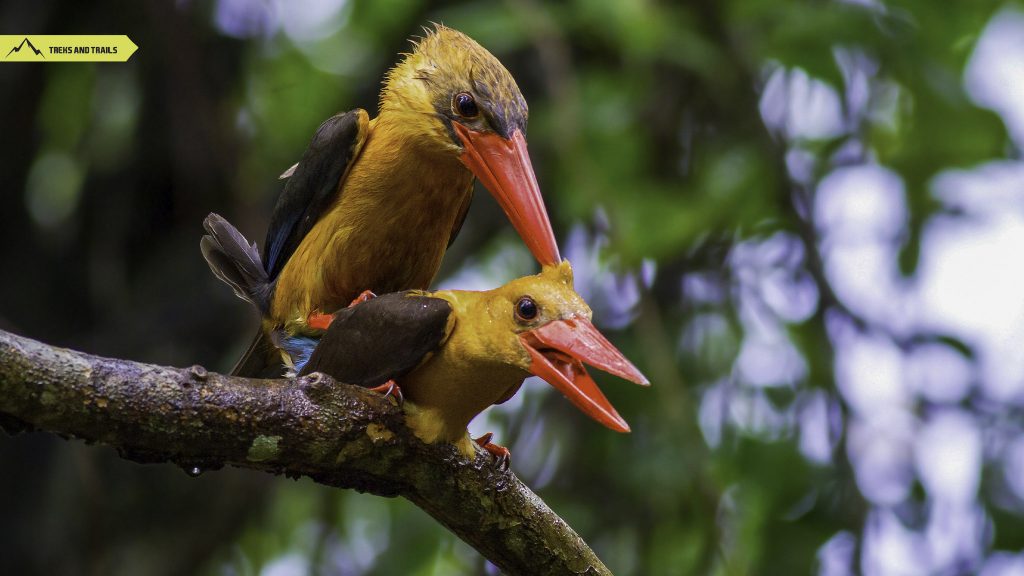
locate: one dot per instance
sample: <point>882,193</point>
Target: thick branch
<point>336,434</point>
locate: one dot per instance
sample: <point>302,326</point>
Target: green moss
<point>47,398</point>
<point>263,448</point>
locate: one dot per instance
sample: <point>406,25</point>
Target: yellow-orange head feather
<point>422,91</point>
<point>536,324</point>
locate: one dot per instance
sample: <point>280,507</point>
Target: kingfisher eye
<point>526,309</point>
<point>465,105</point>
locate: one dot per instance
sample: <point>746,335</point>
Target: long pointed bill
<point>504,168</point>
<point>558,351</point>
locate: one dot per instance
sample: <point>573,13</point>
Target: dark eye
<point>465,105</point>
<point>526,309</point>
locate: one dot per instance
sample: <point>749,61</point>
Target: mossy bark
<point>336,434</point>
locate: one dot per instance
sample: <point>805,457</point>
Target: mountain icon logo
<point>22,45</point>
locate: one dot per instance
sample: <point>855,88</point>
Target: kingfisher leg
<point>502,456</point>
<point>363,297</point>
<point>319,321</point>
<point>390,388</point>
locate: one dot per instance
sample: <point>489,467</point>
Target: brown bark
<point>336,434</point>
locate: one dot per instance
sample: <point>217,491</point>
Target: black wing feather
<point>262,359</point>
<point>381,339</point>
<point>461,218</point>
<point>235,261</point>
<point>314,184</point>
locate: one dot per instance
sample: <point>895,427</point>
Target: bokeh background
<point>803,220</point>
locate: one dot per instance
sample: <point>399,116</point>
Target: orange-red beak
<point>504,168</point>
<point>558,351</point>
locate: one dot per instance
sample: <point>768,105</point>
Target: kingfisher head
<point>452,96</point>
<point>541,325</point>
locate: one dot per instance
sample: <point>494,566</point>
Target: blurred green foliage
<point>650,135</point>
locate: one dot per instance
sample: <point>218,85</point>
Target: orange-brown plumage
<point>449,112</point>
<point>393,249</point>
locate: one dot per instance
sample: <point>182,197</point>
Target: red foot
<point>363,297</point>
<point>319,321</point>
<point>390,388</point>
<point>502,457</point>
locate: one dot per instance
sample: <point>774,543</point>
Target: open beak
<point>504,168</point>
<point>558,351</point>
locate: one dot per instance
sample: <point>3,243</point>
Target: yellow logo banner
<point>51,48</point>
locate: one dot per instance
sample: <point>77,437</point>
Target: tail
<point>236,262</point>
<point>261,360</point>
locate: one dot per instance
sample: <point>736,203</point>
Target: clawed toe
<point>319,321</point>
<point>502,456</point>
<point>363,297</point>
<point>390,388</point>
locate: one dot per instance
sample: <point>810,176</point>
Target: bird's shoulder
<point>313,184</point>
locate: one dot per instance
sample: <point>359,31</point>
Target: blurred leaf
<point>67,101</point>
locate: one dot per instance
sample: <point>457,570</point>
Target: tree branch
<point>336,434</point>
